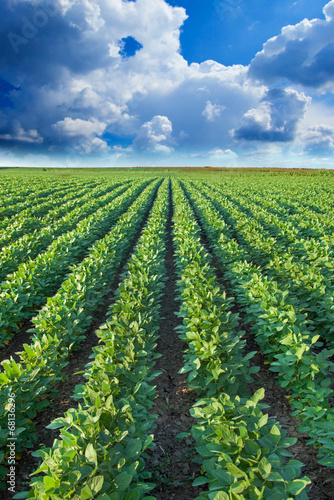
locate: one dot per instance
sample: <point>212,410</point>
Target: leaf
<point>233,469</point>
<point>23,494</point>
<point>251,447</point>
<point>56,424</point>
<point>86,493</point>
<point>133,495</point>
<point>199,481</point>
<point>263,420</point>
<point>84,471</point>
<point>133,448</point>
<point>90,454</point>
<point>264,467</point>
<point>275,434</point>
<point>257,396</point>
<point>298,485</point>
<point>49,483</point>
<point>105,387</point>
<point>327,462</point>
<point>276,494</point>
<point>148,441</point>
<point>192,375</point>
<point>274,476</point>
<point>182,435</point>
<point>123,480</point>
<point>96,483</point>
<point>221,495</point>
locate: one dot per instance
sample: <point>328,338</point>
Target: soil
<point>171,460</point>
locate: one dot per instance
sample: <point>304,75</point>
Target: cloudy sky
<point>178,82</point>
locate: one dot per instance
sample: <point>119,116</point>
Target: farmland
<point>167,333</point>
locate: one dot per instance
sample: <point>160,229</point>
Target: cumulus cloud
<point>155,132</point>
<point>303,53</point>
<point>102,73</point>
<point>82,135</point>
<point>319,140</point>
<point>79,73</point>
<point>275,119</point>
<point>227,87</point>
<point>21,135</point>
<point>65,58</point>
<point>217,156</point>
<point>76,127</point>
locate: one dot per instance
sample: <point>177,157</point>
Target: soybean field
<point>167,334</point>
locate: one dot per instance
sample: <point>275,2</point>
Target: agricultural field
<point>166,334</point>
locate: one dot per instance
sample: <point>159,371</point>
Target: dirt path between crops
<point>60,400</point>
<point>171,460</point>
<point>279,409</point>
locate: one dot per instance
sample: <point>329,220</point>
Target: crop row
<point>45,205</point>
<point>61,325</point>
<point>30,201</point>
<point>298,215</point>
<point>102,442</point>
<point>279,330</point>
<point>282,235</point>
<point>28,288</point>
<point>27,223</point>
<point>308,278</point>
<point>242,454</point>
<point>30,245</point>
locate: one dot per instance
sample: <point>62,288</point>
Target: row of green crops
<point>62,322</point>
<point>302,221</point>
<point>102,442</point>
<point>305,269</point>
<point>280,331</point>
<point>30,245</point>
<point>241,453</point>
<point>32,201</point>
<point>64,243</point>
<point>46,204</point>
<point>26,223</point>
<point>28,288</point>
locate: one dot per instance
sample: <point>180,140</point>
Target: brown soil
<point>171,460</point>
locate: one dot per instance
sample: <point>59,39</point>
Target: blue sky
<point>151,82</point>
<point>232,32</point>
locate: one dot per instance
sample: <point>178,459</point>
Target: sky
<point>225,83</point>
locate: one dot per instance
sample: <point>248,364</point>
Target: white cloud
<point>95,145</point>
<point>319,140</point>
<point>83,90</point>
<point>29,136</point>
<point>302,53</point>
<point>12,130</point>
<point>153,133</point>
<point>76,127</point>
<point>212,111</point>
<point>275,119</point>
